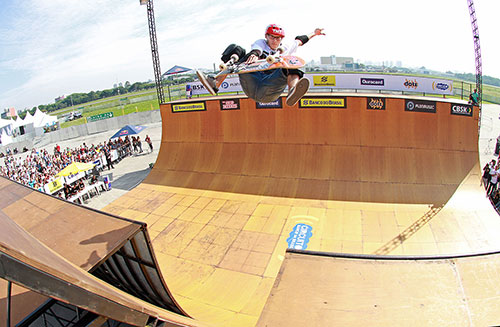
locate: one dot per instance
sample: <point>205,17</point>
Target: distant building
<point>327,60</point>
<point>344,60</point>
<point>60,98</point>
<point>336,62</point>
<point>12,112</point>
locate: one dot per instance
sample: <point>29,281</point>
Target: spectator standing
<point>490,166</point>
<point>134,143</point>
<point>108,159</point>
<point>189,91</point>
<point>148,141</point>
<point>493,181</point>
<point>139,144</point>
<point>474,98</point>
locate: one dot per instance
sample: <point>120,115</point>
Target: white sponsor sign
<point>355,82</point>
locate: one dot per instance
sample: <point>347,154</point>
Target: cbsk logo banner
<point>462,109</point>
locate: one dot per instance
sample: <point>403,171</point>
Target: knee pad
<point>233,49</point>
<point>293,72</point>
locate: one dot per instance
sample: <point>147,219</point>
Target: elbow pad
<point>254,52</point>
<point>302,38</point>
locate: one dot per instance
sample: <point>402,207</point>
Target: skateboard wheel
<point>222,66</point>
<point>235,57</point>
<point>281,50</point>
<point>271,59</point>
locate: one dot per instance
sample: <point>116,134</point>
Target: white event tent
<point>31,124</point>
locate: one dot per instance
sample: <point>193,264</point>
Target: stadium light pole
<point>154,49</point>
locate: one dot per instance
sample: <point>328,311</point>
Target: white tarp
<point>38,117</point>
<point>47,120</point>
<point>6,127</point>
<point>5,138</point>
<point>355,82</point>
<point>28,119</point>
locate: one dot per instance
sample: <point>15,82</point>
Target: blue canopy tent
<point>175,70</point>
<point>128,130</point>
<point>172,71</point>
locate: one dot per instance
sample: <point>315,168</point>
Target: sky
<point>50,48</point>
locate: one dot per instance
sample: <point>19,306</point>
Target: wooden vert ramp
<point>48,245</point>
<point>348,154</point>
<point>235,185</point>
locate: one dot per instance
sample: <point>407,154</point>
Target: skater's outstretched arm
<point>304,38</point>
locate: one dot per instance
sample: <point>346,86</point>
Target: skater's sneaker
<point>208,82</point>
<point>297,91</point>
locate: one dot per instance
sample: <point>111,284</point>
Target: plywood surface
<point>337,291</point>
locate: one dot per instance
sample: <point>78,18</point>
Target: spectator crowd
<point>490,179</point>
<point>39,167</point>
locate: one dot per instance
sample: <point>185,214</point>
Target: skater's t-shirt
<point>265,50</point>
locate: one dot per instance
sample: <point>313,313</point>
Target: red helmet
<point>275,30</point>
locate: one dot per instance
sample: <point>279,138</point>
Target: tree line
<point>79,98</point>
<point>472,78</point>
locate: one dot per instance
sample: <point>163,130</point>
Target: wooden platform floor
<point>348,291</point>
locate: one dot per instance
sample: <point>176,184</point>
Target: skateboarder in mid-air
<point>267,86</point>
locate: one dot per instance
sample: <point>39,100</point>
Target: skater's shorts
<point>266,86</point>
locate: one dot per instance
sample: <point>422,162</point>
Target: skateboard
<point>271,62</point>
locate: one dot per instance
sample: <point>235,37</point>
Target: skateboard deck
<point>289,62</point>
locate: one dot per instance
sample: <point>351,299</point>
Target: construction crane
<point>154,49</point>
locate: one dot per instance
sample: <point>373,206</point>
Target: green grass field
<point>117,111</point>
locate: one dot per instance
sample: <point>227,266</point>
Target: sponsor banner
<point>230,84</point>
<point>270,105</point>
<point>54,186</point>
<point>462,109</point>
<point>299,237</point>
<point>420,106</point>
<point>103,116</point>
<point>189,106</point>
<point>230,104</point>
<point>372,81</point>
<point>436,85</point>
<point>411,84</point>
<point>375,103</point>
<point>384,82</point>
<point>324,80</point>
<point>353,82</point>
<point>198,88</point>
<point>323,102</point>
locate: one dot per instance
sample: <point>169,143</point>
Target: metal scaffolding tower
<point>477,50</point>
<point>154,49</point>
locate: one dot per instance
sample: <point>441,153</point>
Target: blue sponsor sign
<point>372,81</point>
<point>299,237</point>
<point>269,105</point>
